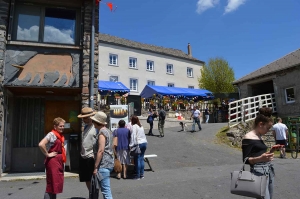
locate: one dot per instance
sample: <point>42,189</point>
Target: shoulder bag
<point>135,149</point>
<point>246,183</point>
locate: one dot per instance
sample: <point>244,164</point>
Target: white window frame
<point>111,62</point>
<point>191,87</point>
<point>114,77</point>
<point>151,83</point>
<point>171,85</point>
<point>171,71</point>
<point>132,62</point>
<point>150,65</point>
<point>287,100</point>
<point>189,72</point>
<point>131,82</point>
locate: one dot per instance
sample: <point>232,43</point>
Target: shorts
<point>281,142</point>
<point>86,169</point>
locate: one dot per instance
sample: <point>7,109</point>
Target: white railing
<point>246,109</point>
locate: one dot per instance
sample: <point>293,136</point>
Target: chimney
<point>189,50</point>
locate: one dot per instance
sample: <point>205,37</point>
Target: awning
<point>149,91</point>
<point>105,87</point>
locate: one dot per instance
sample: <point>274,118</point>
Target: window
<point>289,95</point>
<point>170,85</point>
<point>189,72</point>
<point>113,78</point>
<point>192,87</point>
<point>132,62</point>
<point>45,24</point>
<point>170,68</point>
<point>150,65</point>
<point>151,83</point>
<point>133,84</point>
<point>113,59</point>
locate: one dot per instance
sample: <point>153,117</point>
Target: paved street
<point>189,165</point>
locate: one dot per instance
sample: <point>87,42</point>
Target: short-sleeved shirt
<point>107,160</point>
<point>280,130</point>
<point>51,139</point>
<point>196,113</point>
<point>124,136</point>
<point>88,139</point>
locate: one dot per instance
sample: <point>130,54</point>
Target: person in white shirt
<point>280,133</point>
<point>138,137</point>
<point>196,114</point>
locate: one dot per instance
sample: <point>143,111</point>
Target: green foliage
<point>217,76</point>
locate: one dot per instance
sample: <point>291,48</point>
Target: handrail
<point>246,109</point>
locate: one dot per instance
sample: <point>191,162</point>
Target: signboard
<point>117,113</point>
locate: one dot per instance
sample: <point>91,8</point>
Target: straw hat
<point>100,117</point>
<point>86,112</point>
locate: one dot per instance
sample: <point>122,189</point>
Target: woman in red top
<point>52,147</point>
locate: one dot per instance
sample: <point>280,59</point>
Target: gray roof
<point>105,38</point>
<point>286,62</point>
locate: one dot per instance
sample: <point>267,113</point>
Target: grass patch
<point>222,136</point>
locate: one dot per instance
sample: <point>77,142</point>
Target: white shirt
<point>280,130</point>
<point>196,113</point>
<point>137,134</point>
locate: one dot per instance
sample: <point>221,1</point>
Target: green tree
<point>217,76</point>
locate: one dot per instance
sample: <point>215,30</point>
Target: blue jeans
<point>261,169</point>
<point>139,161</point>
<point>196,120</point>
<point>207,118</point>
<point>105,182</point>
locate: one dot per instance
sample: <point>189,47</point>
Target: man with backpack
<point>161,121</point>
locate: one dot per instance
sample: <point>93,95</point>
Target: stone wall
<point>4,9</point>
<point>86,53</point>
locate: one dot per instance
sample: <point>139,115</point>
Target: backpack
<point>149,119</point>
<point>162,115</point>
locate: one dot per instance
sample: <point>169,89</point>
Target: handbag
<point>135,149</point>
<point>246,183</point>
<point>117,166</point>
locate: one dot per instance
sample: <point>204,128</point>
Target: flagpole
<point>92,44</point>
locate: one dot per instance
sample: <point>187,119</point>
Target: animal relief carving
<point>42,64</point>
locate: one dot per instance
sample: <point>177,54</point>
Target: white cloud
<point>51,34</point>
<point>233,5</point>
<point>203,5</point>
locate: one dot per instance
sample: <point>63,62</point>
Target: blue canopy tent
<point>149,91</point>
<point>105,87</point>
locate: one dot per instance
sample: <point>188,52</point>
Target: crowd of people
<point>100,147</point>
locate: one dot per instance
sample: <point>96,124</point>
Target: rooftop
<point>105,38</point>
<point>288,61</point>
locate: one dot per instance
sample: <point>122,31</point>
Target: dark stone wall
<point>20,55</point>
<point>4,10</point>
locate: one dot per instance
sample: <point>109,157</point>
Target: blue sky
<point>249,34</point>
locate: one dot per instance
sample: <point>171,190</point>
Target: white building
<point>136,64</point>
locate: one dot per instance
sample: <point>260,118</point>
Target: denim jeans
<point>266,169</point>
<point>151,127</point>
<point>105,182</point>
<point>207,118</point>
<point>196,121</point>
<point>139,161</point>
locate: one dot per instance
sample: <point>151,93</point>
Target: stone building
<point>280,77</point>
<point>44,73</point>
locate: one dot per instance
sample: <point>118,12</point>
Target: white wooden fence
<point>246,109</point>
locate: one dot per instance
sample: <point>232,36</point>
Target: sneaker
<point>136,178</point>
<point>142,177</point>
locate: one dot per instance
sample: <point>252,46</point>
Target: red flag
<point>110,5</point>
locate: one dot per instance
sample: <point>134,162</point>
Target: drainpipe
<point>92,44</point>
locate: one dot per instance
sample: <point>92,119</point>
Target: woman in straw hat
<point>103,149</point>
<point>52,147</point>
<point>88,137</point>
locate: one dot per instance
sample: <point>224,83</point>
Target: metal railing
<point>246,109</point>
